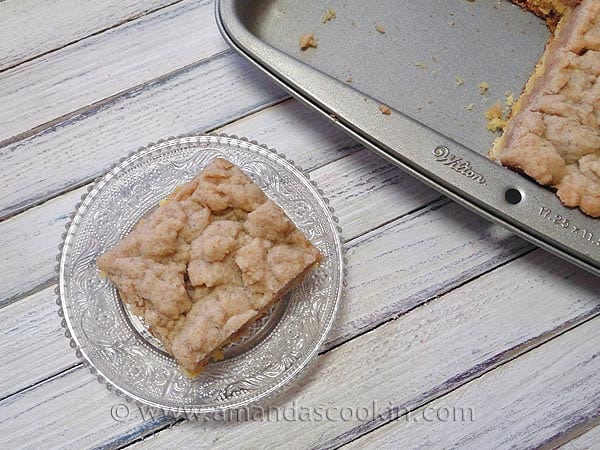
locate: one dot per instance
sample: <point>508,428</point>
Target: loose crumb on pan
<point>484,87</point>
<point>459,80</point>
<point>307,40</point>
<point>420,65</point>
<point>349,79</point>
<point>510,99</point>
<point>329,15</point>
<point>380,28</point>
<point>385,109</point>
<point>495,118</point>
<point>470,107</point>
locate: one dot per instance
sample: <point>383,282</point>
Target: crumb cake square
<point>211,259</point>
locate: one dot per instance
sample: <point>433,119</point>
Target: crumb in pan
<point>495,118</point>
<point>307,41</point>
<point>329,15</point>
<point>384,109</point>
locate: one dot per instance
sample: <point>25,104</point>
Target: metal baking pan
<point>426,67</point>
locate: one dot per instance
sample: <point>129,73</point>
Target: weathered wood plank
<point>421,355</point>
<point>203,96</point>
<point>78,423</point>
<point>367,191</point>
<point>388,363</point>
<point>527,396</point>
<point>101,66</point>
<point>32,343</point>
<point>34,236</point>
<point>32,28</point>
<point>296,131</point>
<point>30,243</point>
<point>407,262</point>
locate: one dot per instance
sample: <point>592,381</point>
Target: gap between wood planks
<point>18,209</point>
<point>559,440</point>
<point>257,93</point>
<point>581,439</point>
<point>432,396</point>
<point>111,98</point>
<point>98,67</point>
<point>345,148</point>
<point>95,33</point>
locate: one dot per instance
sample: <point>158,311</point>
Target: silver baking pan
<point>426,65</point>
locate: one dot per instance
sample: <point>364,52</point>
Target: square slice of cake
<point>210,260</point>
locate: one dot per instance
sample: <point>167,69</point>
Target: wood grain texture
<point>434,349</point>
<point>34,236</point>
<point>441,311</point>
<point>363,307</point>
<point>70,153</point>
<point>32,342</point>
<point>357,183</point>
<point>71,411</point>
<point>526,396</point>
<point>389,277</point>
<point>31,240</point>
<point>102,66</point>
<point>31,28</point>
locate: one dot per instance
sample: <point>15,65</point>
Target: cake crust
<point>211,259</point>
<point>553,135</point>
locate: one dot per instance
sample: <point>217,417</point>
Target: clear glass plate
<point>117,346</point>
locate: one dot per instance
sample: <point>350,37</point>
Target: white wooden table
<point>457,333</point>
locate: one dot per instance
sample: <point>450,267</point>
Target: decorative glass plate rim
<point>88,197</point>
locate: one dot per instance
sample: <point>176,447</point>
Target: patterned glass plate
<point>117,346</point>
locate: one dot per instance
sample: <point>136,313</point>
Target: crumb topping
<point>207,261</point>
